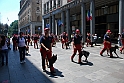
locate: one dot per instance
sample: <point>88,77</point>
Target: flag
<point>60,23</point>
<point>7,19</point>
<point>47,25</point>
<point>89,15</point>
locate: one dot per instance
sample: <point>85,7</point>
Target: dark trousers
<point>45,54</point>
<point>22,53</point>
<point>4,53</point>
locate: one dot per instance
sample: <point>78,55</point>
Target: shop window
<point>111,9</point>
<point>117,8</point>
<point>114,9</point>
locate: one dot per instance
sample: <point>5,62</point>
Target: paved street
<point>98,70</point>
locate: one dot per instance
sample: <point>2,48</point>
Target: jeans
<point>5,53</point>
<point>22,53</point>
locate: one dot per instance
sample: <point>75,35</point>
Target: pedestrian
<point>95,39</point>
<point>14,40</point>
<point>107,43</point>
<point>36,41</point>
<point>4,49</point>
<point>22,44</point>
<point>88,39</point>
<point>46,50</point>
<point>64,40</point>
<point>122,41</point>
<point>119,39</point>
<point>77,46</point>
<point>28,39</point>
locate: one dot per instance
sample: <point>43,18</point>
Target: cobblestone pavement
<point>98,70</point>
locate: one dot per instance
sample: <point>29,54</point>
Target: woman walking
<point>4,49</point>
<point>21,42</point>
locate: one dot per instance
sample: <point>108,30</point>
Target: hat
<point>46,29</point>
<point>77,30</point>
<point>108,31</point>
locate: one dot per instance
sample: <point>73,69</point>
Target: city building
<point>68,15</point>
<point>30,16</point>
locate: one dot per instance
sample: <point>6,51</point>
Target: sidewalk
<point>98,70</point>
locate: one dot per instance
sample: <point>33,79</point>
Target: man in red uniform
<point>36,41</point>
<point>77,46</point>
<point>64,40</point>
<point>46,50</point>
<point>107,43</point>
<point>28,39</point>
<point>122,41</point>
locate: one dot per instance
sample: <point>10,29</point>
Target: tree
<point>13,28</point>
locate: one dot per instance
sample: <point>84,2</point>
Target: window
<point>37,1</point>
<point>44,8</point>
<point>117,8</point>
<point>47,6</point>
<point>114,9</point>
<point>38,8</point>
<point>38,18</point>
<point>110,10</point>
<point>54,4</point>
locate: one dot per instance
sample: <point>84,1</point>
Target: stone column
<point>53,24</point>
<point>92,21</point>
<point>43,25</point>
<point>50,22</point>
<point>68,23</point>
<point>63,21</point>
<point>32,29</point>
<point>83,22</point>
<point>121,15</point>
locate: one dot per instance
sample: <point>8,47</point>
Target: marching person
<point>122,42</point>
<point>46,50</point>
<point>77,46</point>
<point>36,41</point>
<point>107,43</point>
<point>22,44</point>
<point>64,40</point>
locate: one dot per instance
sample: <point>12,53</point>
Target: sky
<point>9,10</point>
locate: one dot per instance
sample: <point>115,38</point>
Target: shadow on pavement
<point>58,73</point>
<point>29,72</point>
<point>85,63</point>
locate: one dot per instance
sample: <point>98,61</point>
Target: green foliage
<point>13,28</point>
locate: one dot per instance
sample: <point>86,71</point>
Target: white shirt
<point>5,46</point>
<point>21,42</point>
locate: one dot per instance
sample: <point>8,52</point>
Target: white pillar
<point>83,21</point>
<point>92,21</point>
<point>68,23</point>
<point>121,15</point>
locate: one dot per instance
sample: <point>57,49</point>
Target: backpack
<point>122,35</point>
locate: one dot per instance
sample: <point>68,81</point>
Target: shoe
<point>2,64</point>
<point>121,52</point>
<point>6,63</point>
<point>24,61</point>
<point>101,54</point>
<point>80,63</point>
<point>111,56</point>
<point>72,60</point>
<point>21,62</point>
<point>53,73</point>
<point>44,70</point>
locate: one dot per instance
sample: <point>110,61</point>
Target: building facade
<point>105,14</point>
<point>30,16</point>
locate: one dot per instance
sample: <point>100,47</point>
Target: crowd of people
<point>21,42</point>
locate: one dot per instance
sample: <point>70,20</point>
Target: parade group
<point>48,40</point>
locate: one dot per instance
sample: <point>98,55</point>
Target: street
<point>99,69</point>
